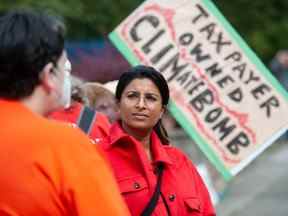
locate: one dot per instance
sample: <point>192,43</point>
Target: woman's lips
<point>140,115</point>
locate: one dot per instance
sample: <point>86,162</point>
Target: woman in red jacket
<point>154,177</point>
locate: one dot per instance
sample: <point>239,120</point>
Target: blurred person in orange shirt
<point>47,168</point>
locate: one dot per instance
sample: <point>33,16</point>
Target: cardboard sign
<point>221,94</point>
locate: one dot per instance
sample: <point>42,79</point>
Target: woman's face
<point>140,105</point>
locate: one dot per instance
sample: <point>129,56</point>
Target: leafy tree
<point>263,24</point>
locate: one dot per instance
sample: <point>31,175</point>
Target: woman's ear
<point>164,108</point>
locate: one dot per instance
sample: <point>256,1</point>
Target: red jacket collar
<point>158,149</point>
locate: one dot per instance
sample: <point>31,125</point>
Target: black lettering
<point>260,90</point>
<point>252,78</point>
<point>186,39</point>
<point>224,128</point>
<point>220,43</point>
<point>225,81</point>
<point>203,98</point>
<point>197,50</point>
<point>162,53</point>
<point>202,13</point>
<point>183,78</point>
<point>192,80</point>
<point>146,47</point>
<point>240,140</point>
<point>153,20</point>
<point>241,69</point>
<point>236,56</point>
<point>209,29</point>
<point>176,68</point>
<point>269,104</point>
<point>236,95</point>
<point>213,70</point>
<point>213,115</point>
<point>191,91</point>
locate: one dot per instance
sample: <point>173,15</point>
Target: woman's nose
<point>141,103</point>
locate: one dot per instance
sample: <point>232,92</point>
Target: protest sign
<point>221,93</point>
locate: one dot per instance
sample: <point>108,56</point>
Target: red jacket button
<point>172,197</point>
<point>136,185</point>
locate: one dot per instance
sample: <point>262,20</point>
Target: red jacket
<point>182,187</point>
<point>100,125</point>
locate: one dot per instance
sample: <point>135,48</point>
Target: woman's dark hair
<point>28,41</point>
<point>156,77</point>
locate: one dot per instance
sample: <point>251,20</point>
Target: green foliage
<point>100,17</point>
<point>263,24</point>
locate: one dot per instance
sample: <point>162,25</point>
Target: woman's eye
<point>132,95</point>
<point>151,98</point>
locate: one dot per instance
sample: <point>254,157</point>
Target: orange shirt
<point>49,168</point>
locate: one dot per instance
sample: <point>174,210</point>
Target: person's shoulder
<point>179,158</point>
<point>175,153</point>
<point>64,132</point>
<point>70,114</point>
<point>68,141</point>
<point>171,149</point>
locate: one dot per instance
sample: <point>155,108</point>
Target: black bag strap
<point>86,119</point>
<point>155,197</point>
<point>166,204</point>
